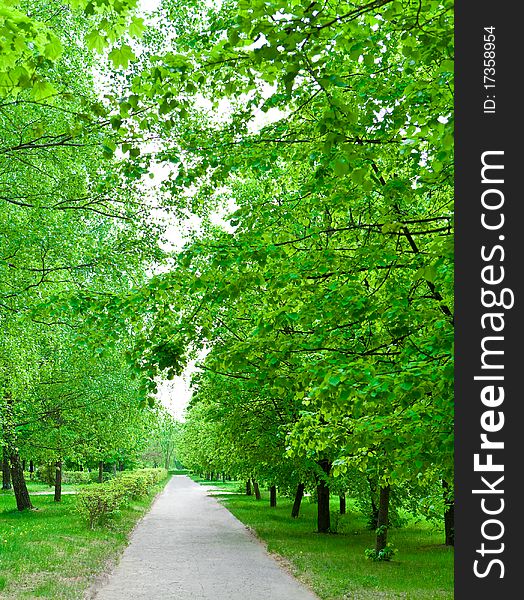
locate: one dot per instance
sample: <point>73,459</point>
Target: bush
<point>46,474</point>
<point>79,477</point>
<point>97,503</point>
<point>93,476</point>
<point>386,554</point>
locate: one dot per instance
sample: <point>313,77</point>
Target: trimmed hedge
<point>84,477</point>
<point>99,502</point>
<point>80,477</point>
<point>46,474</point>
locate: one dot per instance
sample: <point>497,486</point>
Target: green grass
<point>178,472</point>
<point>235,487</point>
<point>51,553</point>
<point>334,565</point>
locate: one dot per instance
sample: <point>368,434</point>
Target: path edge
<point>100,579</point>
<point>284,563</point>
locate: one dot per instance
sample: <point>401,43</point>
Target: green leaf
<point>42,90</point>
<point>137,27</point>
<point>122,56</point>
<point>53,49</point>
<point>341,167</point>
<point>96,41</point>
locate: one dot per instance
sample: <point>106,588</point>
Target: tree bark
<point>323,513</point>
<point>383,519</point>
<point>248,488</point>
<point>256,489</point>
<point>58,481</point>
<point>273,496</point>
<point>100,471</point>
<point>299,494</point>
<point>31,469</point>
<point>23,502</point>
<point>342,503</point>
<point>449,516</point>
<point>167,461</point>
<point>6,473</point>
<point>113,468</point>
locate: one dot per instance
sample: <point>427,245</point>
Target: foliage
<point>321,305</point>
<point>163,440</point>
<point>74,226</point>
<point>76,477</point>
<point>386,554</point>
<point>97,503</point>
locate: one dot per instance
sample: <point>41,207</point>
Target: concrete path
<point>189,547</point>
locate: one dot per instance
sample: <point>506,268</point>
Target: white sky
<point>148,5</point>
<point>176,394</point>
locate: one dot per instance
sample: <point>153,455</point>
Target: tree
<point>71,232</point>
<point>334,279</point>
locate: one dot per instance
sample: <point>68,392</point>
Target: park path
<point>189,547</point>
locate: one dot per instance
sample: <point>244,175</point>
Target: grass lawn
<point>334,565</point>
<point>50,552</point>
<point>38,486</point>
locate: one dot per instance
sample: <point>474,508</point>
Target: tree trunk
<point>383,519</point>
<point>273,496</point>
<point>6,474</point>
<point>299,494</point>
<point>113,468</point>
<point>31,469</point>
<point>100,471</point>
<point>449,516</point>
<point>167,461</point>
<point>58,481</point>
<point>256,489</point>
<point>23,502</point>
<point>342,503</point>
<point>121,466</point>
<point>248,488</point>
<point>323,514</point>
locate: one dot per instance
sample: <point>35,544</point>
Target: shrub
<point>46,474</point>
<point>97,503</point>
<point>79,477</point>
<point>385,554</point>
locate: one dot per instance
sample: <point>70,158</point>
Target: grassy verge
<point>334,565</point>
<point>51,553</point>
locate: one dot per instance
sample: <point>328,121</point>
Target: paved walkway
<point>189,547</point>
